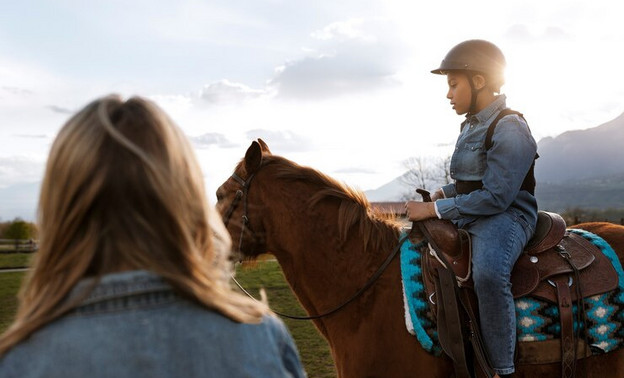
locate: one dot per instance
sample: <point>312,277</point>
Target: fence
<point>18,245</point>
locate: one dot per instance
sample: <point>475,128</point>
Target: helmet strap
<point>474,93</point>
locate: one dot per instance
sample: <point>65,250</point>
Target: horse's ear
<point>253,157</point>
<point>264,146</point>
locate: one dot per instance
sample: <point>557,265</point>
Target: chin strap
<point>474,93</point>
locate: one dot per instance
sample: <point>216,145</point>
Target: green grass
<point>313,348</point>
<point>15,260</point>
<point>9,285</point>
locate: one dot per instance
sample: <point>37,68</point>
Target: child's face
<point>459,92</point>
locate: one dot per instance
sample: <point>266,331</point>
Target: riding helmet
<point>474,55</point>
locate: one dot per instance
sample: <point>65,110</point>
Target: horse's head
<point>240,215</point>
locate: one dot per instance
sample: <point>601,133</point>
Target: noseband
<point>240,194</point>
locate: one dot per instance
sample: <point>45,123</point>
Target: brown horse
<point>329,242</point>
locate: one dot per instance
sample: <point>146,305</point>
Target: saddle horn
<point>425,194</point>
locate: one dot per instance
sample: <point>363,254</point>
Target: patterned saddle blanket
<point>537,318</point>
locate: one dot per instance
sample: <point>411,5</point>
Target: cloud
<point>344,31</point>
<point>60,109</point>
<point>212,139</point>
<point>17,169</point>
<point>352,56</point>
<point>281,141</point>
<point>195,21</point>
<point>520,32</point>
<point>329,76</point>
<point>17,91</point>
<point>556,33</point>
<point>227,92</point>
<point>31,136</point>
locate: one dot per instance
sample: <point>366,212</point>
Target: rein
<point>368,284</point>
<point>242,194</point>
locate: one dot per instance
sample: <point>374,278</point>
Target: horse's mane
<point>373,226</point>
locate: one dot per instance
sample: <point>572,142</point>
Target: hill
<point>598,193</point>
<point>582,154</point>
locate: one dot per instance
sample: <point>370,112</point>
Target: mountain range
<point>576,169</point>
<point>582,154</point>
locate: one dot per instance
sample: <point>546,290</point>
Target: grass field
<point>14,260</point>
<point>312,347</point>
<point>9,285</point>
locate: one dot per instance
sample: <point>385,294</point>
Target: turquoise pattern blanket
<point>418,317</point>
<point>537,320</point>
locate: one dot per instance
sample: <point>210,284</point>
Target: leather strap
<point>478,346</point>
<point>568,347</point>
<point>450,324</point>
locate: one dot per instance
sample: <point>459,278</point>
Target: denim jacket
<point>134,325</point>
<point>502,168</point>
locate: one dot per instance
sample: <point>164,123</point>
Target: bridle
<point>242,194</point>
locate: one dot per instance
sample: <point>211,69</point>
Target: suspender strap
<point>490,131</point>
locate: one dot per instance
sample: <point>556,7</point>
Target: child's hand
<point>417,211</point>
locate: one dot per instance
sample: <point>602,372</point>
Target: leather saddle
<point>552,252</point>
<point>557,266</point>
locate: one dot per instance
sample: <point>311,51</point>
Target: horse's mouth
<point>246,252</point>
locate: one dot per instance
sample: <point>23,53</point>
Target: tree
<point>425,173</point>
<point>20,229</point>
<point>418,175</point>
<point>443,170</point>
<point>3,227</point>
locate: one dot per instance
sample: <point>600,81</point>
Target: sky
<point>342,86</point>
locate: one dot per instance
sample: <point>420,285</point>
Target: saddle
<point>556,266</point>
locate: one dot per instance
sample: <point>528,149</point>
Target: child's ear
<point>479,81</point>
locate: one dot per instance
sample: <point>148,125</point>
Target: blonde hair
<point>123,190</point>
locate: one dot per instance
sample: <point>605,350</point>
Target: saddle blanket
<point>537,320</point>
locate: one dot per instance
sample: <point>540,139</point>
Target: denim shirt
<point>502,168</point>
<point>134,325</point>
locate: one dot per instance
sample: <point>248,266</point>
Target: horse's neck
<point>322,269</point>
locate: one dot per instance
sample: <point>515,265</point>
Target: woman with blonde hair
<point>131,276</point>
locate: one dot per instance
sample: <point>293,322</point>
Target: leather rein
<point>241,194</point>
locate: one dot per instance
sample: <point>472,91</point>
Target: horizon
<point>394,188</point>
<point>341,87</point>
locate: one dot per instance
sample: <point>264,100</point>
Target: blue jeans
<point>497,242</point>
